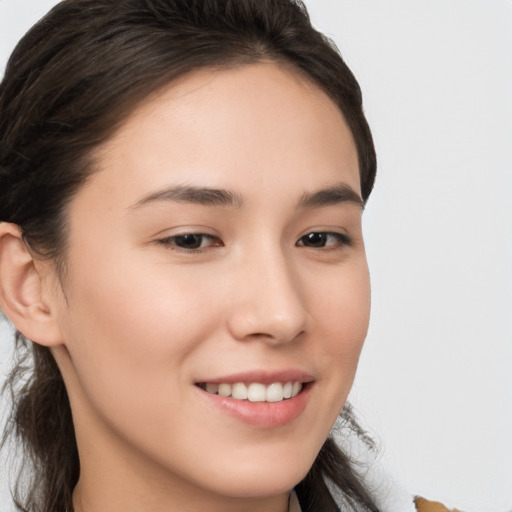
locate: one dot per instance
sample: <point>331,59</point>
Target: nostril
<point>275,338</point>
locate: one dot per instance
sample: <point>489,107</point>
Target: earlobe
<point>21,290</point>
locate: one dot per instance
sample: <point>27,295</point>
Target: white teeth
<point>212,388</point>
<point>239,391</point>
<point>255,392</point>
<point>274,392</point>
<point>225,389</point>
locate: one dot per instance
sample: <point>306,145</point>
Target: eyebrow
<point>339,193</point>
<point>207,196</point>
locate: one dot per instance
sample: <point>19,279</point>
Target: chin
<point>253,479</point>
<point>260,485</point>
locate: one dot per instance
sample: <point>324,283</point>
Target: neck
<point>114,479</point>
<point>87,499</point>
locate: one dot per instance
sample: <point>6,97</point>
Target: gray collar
<point>294,505</point>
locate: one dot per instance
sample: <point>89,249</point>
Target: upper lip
<point>262,377</point>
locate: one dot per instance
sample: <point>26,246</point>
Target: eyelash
<point>172,242</point>
<point>340,240</point>
<point>315,237</point>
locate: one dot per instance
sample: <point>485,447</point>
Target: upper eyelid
<point>183,231</point>
<point>343,237</point>
<point>187,233</point>
<point>325,232</point>
<point>211,235</point>
<point>169,242</point>
<point>343,234</point>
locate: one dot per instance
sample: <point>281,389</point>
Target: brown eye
<point>191,241</point>
<point>323,239</point>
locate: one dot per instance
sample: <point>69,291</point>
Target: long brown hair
<point>69,84</point>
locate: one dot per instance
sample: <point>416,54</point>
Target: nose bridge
<point>270,302</point>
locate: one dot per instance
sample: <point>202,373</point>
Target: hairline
<point>151,91</point>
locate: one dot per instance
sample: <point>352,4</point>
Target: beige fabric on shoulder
<point>423,505</point>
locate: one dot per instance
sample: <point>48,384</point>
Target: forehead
<point>257,123</point>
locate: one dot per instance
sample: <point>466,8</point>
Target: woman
<point>181,189</point>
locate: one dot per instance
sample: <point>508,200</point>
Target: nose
<point>267,300</point>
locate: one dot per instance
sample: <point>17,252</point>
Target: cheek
<point>341,318</point>
<point>342,307</point>
<point>130,330</point>
<point>131,302</point>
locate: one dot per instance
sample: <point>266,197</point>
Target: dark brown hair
<point>70,82</point>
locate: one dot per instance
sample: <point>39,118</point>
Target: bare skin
<point>171,286</point>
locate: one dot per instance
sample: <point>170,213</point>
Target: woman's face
<point>218,247</point>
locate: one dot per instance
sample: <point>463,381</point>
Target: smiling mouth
<point>255,391</point>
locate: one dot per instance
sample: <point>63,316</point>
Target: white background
<point>435,379</point>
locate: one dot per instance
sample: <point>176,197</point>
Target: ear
<point>23,297</point>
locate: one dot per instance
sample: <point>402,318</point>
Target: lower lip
<point>263,415</point>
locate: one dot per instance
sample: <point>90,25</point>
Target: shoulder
<point>423,505</point>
